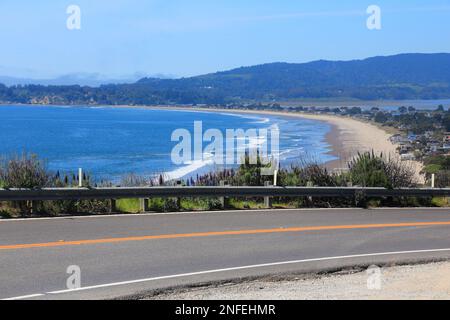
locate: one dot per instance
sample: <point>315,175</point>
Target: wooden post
<point>267,200</point>
<point>80,177</point>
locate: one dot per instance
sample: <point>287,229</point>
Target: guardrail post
<point>310,184</point>
<point>113,205</point>
<point>223,200</point>
<point>179,198</point>
<point>143,205</point>
<point>33,207</point>
<point>267,200</point>
<point>360,198</point>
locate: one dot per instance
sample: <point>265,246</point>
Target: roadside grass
<point>128,205</point>
<point>441,201</point>
<point>373,203</point>
<point>254,204</point>
<point>169,204</point>
<point>198,204</point>
<point>7,212</point>
<point>234,203</point>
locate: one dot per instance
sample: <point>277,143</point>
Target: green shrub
<point>163,205</point>
<point>370,170</point>
<point>193,204</point>
<point>25,171</point>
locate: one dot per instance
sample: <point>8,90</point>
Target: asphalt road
<point>126,255</point>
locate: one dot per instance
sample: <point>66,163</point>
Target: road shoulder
<point>420,281</point>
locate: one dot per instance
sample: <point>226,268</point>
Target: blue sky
<point>183,38</point>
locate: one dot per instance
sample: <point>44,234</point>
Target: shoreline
<point>347,136</point>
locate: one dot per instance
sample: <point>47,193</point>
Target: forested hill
<point>405,76</point>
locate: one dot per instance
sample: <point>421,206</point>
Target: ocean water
<point>109,143</point>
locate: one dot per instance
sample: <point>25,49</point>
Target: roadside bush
<point>201,204</point>
<point>28,171</point>
<point>93,206</point>
<point>213,204</point>
<point>312,173</point>
<point>5,214</point>
<point>163,205</point>
<point>132,180</point>
<point>25,171</point>
<point>249,172</point>
<point>370,170</point>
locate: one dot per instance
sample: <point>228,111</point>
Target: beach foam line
<point>190,168</point>
<point>260,118</point>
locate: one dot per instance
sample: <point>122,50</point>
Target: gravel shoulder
<point>409,282</point>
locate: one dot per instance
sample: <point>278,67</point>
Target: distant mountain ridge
<point>324,78</point>
<point>82,79</point>
<point>407,68</point>
<point>403,76</point>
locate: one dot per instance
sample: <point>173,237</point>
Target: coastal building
<point>446,137</point>
<point>399,139</point>
<point>407,156</point>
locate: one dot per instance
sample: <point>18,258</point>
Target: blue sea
<point>109,143</point>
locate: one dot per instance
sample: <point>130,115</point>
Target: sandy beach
<point>350,136</point>
<point>347,137</point>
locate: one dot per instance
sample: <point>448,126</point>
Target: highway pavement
<point>129,255</point>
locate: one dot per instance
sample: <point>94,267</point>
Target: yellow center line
<point>220,233</point>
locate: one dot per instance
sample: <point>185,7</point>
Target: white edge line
<point>244,267</point>
<point>224,270</point>
<point>25,297</point>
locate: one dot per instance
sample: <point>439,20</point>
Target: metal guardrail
<point>219,191</point>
